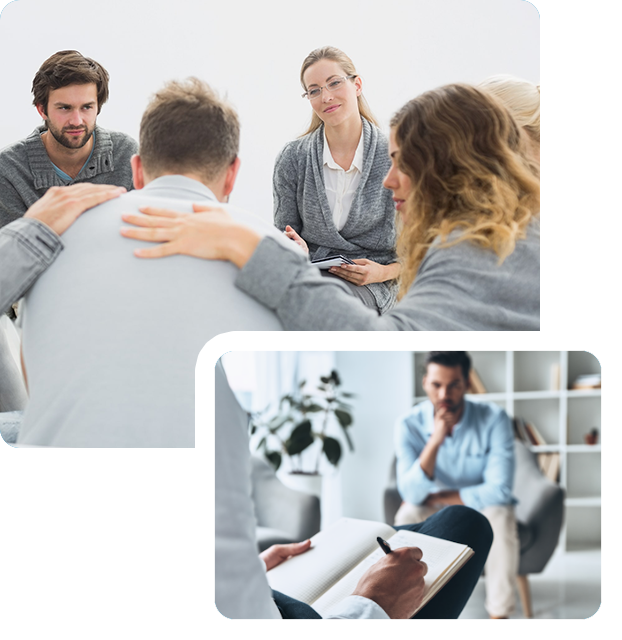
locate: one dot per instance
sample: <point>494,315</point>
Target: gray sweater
<point>458,288</point>
<point>300,201</point>
<point>26,171</point>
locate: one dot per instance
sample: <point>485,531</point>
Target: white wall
<point>253,51</point>
<point>384,384</point>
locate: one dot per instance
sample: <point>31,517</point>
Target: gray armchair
<point>539,513</point>
<point>283,514</point>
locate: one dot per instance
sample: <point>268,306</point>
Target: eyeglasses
<point>332,85</point>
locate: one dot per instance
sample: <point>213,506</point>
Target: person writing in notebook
<point>392,588</point>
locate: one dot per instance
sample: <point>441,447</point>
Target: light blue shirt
<point>477,459</point>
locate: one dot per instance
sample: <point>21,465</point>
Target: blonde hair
<point>338,56</point>
<point>468,162</point>
<point>521,97</point>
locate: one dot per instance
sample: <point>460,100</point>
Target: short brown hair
<point>187,128</point>
<point>65,68</point>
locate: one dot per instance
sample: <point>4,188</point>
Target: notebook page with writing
<point>440,555</point>
<point>334,552</point>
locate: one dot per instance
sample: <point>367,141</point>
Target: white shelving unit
<point>524,384</point>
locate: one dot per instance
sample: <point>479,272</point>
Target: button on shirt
<point>341,185</point>
<point>477,459</point>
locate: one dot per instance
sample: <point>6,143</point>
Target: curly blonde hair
<point>469,165</point>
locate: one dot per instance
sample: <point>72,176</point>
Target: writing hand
<point>396,582</point>
<point>278,553</point>
<point>60,206</point>
<point>292,235</point>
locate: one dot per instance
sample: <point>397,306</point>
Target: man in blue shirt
<point>454,451</point>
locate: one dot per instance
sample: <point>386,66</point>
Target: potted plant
<point>304,421</point>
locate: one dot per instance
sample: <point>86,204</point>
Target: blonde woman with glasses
<point>328,193</point>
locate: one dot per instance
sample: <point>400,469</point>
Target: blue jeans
<point>458,524</point>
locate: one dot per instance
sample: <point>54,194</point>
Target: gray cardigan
<point>461,288</point>
<point>26,171</point>
<point>300,201</point>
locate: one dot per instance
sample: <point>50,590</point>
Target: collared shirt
<point>477,459</point>
<point>341,185</point>
<point>65,176</point>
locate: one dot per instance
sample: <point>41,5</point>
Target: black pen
<point>384,545</point>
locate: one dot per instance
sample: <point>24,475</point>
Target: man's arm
<point>496,489</point>
<point>30,244</point>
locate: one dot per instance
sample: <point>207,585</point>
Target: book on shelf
<point>475,382</point>
<point>548,462</point>
<point>587,381</point>
<point>555,380</point>
<point>340,555</point>
<point>528,433</point>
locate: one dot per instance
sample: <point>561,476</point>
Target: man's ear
<point>41,111</point>
<point>138,175</point>
<point>231,175</point>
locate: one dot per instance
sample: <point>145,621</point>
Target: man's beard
<point>70,142</point>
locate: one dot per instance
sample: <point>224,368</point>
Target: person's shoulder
<point>486,412</point>
<point>416,415</point>
<point>120,140</point>
<point>297,148</point>
<point>17,149</point>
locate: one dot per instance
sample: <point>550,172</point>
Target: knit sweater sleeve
<point>284,185</point>
<point>12,206</point>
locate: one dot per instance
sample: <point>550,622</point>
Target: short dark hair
<point>65,68</point>
<point>186,127</point>
<point>450,359</point>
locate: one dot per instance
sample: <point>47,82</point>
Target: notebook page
<point>438,554</point>
<point>334,552</point>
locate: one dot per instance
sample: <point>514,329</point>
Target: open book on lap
<point>331,261</point>
<point>340,555</point>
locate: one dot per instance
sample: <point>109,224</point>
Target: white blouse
<point>341,185</point>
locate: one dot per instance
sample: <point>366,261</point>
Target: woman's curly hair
<point>469,165</point>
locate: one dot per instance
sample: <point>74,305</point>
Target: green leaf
<point>313,408</point>
<point>345,419</point>
<point>302,384</point>
<point>332,449</point>
<point>276,423</point>
<point>334,376</point>
<point>253,428</point>
<point>347,394</point>
<point>300,438</point>
<point>347,435</point>
<point>274,458</point>
<point>325,379</point>
<point>262,443</point>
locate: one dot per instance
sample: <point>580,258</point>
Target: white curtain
<point>260,378</point>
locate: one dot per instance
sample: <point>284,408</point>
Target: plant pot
<point>305,482</point>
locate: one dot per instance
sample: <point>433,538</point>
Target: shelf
<point>583,502</point>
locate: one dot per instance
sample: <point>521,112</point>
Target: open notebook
<point>331,261</point>
<point>340,555</point>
